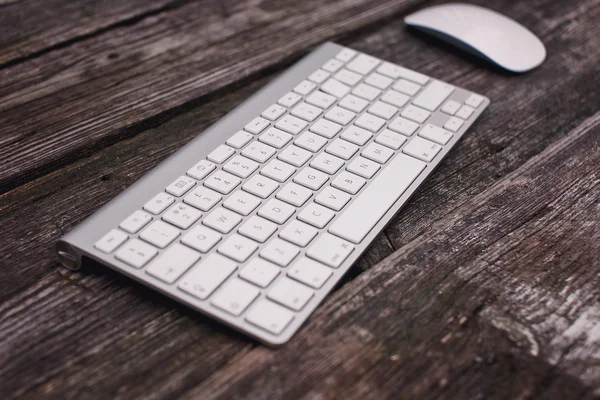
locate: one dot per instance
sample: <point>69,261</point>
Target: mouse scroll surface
<point>484,32</point>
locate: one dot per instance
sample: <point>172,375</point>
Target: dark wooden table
<point>485,286</point>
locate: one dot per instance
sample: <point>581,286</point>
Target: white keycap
<point>396,71</point>
<point>342,149</point>
<point>335,88</point>
<point>325,128</point>
<point>348,182</point>
<point>353,103</point>
<point>207,275</point>
<point>202,198</point>
<point>367,209</point>
<point>257,228</point>
<point>363,167</point>
<point>379,81</point>
<point>109,242</point>
<point>260,186</point>
<point>474,100</point>
<point>294,194</point>
<point>136,221</point>
<point>451,107</point>
<point>291,294</point>
<point>435,134</point>
<point>241,166</point>
<point>159,203</point>
<point>136,253</point>
<point>201,238</point>
<point>278,170</point>
<point>383,110</point>
<point>291,124</point>
<point>377,153</point>
<point>330,250</point>
<point>241,202</point>
<point>279,252</point>
<point>347,77</point>
<point>221,154</point>
<point>171,264</point>
<point>366,92</point>
<point>235,296</point>
<point>275,137</point>
<point>465,112</point>
<point>222,182</point>
<point>403,126</point>
<point>311,178</point>
<point>332,65</point>
<point>159,233</point>
<point>260,272</point>
<point>407,87</point>
<point>222,220</point>
<point>237,248</point>
<point>180,186</point>
<point>433,95</point>
<point>332,198</point>
<point>257,125</point>
<point>273,112</point>
<point>346,55</point>
<point>327,163</point>
<point>305,87</point>
<point>394,98</point>
<point>201,169</point>
<point>259,152</point>
<point>295,155</point>
<point>415,114</point>
<point>370,122</point>
<point>237,141</point>
<point>422,149</point>
<point>453,124</point>
<point>316,215</point>
<point>363,64</point>
<point>270,316</point>
<point>306,112</point>
<point>318,76</point>
<point>340,115</point>
<point>276,211</point>
<point>356,135</point>
<point>182,215</point>
<point>309,272</point>
<point>298,233</point>
<point>390,139</point>
<point>310,141</point>
<point>289,100</point>
<point>321,100</point>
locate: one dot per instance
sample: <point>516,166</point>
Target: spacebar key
<point>370,206</point>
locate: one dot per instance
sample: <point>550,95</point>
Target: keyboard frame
<point>77,245</point>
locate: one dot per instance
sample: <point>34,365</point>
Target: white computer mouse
<point>482,32</point>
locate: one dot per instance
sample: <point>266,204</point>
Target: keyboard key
<point>363,64</point>
<point>275,137</point>
<point>433,95</point>
<point>332,198</point>
<point>453,124</point>
<point>201,238</point>
<point>342,149</point>
<point>202,198</point>
<point>276,211</point>
<point>330,250</point>
<point>241,166</point>
<point>201,169</point>
<point>325,128</point>
<point>304,87</point>
<point>415,114</point>
<point>258,229</point>
<point>294,194</point>
<point>346,55</point>
<point>207,275</point>
<point>321,100</point>
<point>159,203</point>
<point>221,154</point>
<point>298,233</point>
<point>340,115</point>
<point>279,252</point>
<point>222,220</point>
<point>238,248</point>
<point>159,233</point>
<point>289,100</point>
<point>327,163</point>
<point>135,221</point>
<point>403,126</point>
<point>348,182</point>
<point>353,103</point>
<point>260,272</point>
<point>366,92</point>
<point>294,155</point>
<point>222,182</point>
<point>270,316</point>
<point>109,242</point>
<point>310,141</point>
<point>474,100</point>
<point>377,153</point>
<point>465,112</point>
<point>235,296</point>
<point>261,186</point>
<point>171,264</point>
<point>422,149</point>
<point>241,202</point>
<point>181,215</point>
<point>291,124</point>
<point>306,112</point>
<point>316,215</point>
<point>318,76</point>
<point>311,178</point>
<point>258,152</point>
<point>273,112</point>
<point>290,293</point>
<point>390,139</point>
<point>181,186</point>
<point>394,98</point>
<point>363,167</point>
<point>396,71</point>
<point>451,107</point>
<point>383,110</point>
<point>407,87</point>
<point>347,77</point>
<point>237,141</point>
<point>370,122</point>
<point>278,170</point>
<point>379,81</point>
<point>335,88</point>
<point>356,135</point>
<point>435,134</point>
<point>257,125</point>
<point>332,65</point>
<point>309,272</point>
<point>136,253</point>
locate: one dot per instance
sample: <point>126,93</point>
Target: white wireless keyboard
<point>256,220</point>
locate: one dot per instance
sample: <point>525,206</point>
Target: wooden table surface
<point>486,286</point>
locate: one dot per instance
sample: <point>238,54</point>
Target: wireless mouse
<point>482,32</point>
